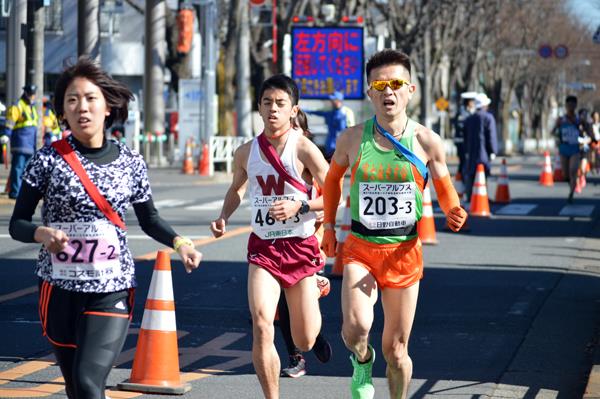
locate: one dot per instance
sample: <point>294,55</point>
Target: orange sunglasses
<point>394,84</point>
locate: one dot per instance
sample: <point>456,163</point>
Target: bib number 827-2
<point>379,206</point>
<point>78,244</point>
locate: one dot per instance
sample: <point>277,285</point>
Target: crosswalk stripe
<point>516,209</point>
<point>170,203</point>
<point>212,206</point>
<point>577,210</point>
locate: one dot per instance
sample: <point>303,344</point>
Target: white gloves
<point>492,156</point>
<point>4,139</point>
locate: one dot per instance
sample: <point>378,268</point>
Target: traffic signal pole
<point>15,51</point>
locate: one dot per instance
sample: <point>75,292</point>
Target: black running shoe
<point>322,349</point>
<point>297,367</point>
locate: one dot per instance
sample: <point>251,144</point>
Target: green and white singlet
<point>386,191</point>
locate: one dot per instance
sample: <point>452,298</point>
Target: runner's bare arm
<point>236,190</point>
<point>448,199</point>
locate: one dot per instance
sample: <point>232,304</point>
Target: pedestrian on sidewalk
<point>387,155</point>
<point>85,269</point>
<point>278,168</point>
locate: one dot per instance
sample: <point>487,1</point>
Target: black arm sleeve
<point>21,228</point>
<point>152,224</point>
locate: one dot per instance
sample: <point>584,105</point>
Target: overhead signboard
<point>328,59</point>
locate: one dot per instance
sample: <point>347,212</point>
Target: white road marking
<point>170,203</point>
<point>516,209</point>
<point>577,210</point>
<point>212,206</point>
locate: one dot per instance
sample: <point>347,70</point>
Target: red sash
<point>66,151</point>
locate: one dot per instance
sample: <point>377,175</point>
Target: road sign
<point>561,51</point>
<point>596,37</point>
<point>545,51</point>
<point>441,104</point>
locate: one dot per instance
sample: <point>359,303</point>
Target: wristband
<point>179,241</point>
<point>328,226</point>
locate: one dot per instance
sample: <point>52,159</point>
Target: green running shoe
<point>362,381</point>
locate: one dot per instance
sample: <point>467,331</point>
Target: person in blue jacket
<point>21,126</point>
<point>481,140</point>
<point>338,118</point>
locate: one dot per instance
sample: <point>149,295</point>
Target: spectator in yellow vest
<point>52,131</point>
<point>22,125</point>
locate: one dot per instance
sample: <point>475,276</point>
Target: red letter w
<point>271,186</point>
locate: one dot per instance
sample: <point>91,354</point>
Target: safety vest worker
<point>22,126</point>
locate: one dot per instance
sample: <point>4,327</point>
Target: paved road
<point>510,309</point>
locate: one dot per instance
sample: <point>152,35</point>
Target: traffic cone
<point>188,161</point>
<point>426,226</point>
<point>204,161</point>
<point>558,174</point>
<point>480,204</point>
<point>156,362</point>
<point>502,191</point>
<point>338,266</point>
<point>459,186</point>
<point>546,178</point>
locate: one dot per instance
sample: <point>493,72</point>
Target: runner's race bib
<point>569,134</point>
<point>92,252</point>
<point>385,206</point>
<point>266,227</point>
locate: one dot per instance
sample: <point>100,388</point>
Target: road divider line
<point>19,293</point>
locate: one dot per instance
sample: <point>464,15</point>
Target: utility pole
<point>88,29</point>
<point>243,104</point>
<point>208,12</point>
<point>154,61</point>
<point>15,50</point>
<point>36,22</point>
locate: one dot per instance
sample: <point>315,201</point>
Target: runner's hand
<point>190,257</point>
<point>218,227</point>
<point>54,240</point>
<point>320,216</point>
<point>284,209</point>
<point>4,139</point>
<point>456,218</point>
<point>329,243</point>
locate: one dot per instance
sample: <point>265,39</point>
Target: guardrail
<point>221,149</point>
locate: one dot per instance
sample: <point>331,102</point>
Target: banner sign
<point>328,59</point>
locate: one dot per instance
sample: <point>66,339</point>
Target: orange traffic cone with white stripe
<point>426,226</point>
<point>480,203</point>
<point>156,362</point>
<point>502,191</point>
<point>558,174</point>
<point>188,161</point>
<point>459,186</point>
<point>546,178</point>
<point>204,161</point>
<point>337,269</point>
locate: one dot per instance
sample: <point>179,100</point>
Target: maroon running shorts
<point>289,260</point>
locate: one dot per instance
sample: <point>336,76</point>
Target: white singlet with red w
<point>266,187</point>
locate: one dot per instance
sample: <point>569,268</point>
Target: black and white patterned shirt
<point>122,182</point>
